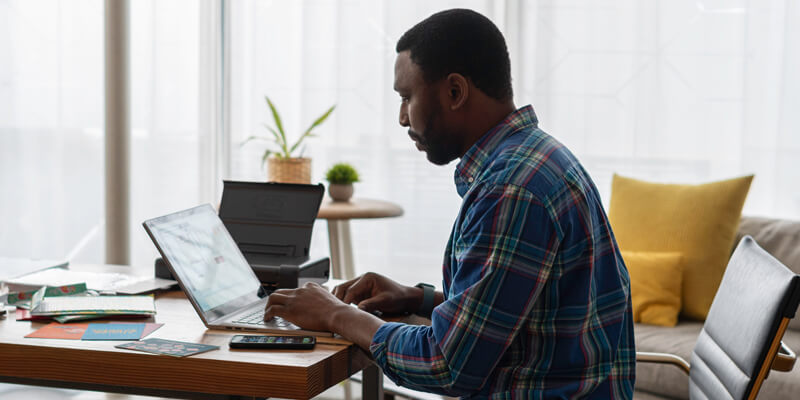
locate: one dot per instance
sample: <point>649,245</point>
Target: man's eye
<point>404,99</point>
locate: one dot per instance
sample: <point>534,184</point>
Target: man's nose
<point>403,117</point>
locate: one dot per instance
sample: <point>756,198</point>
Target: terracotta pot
<point>340,191</point>
<point>289,170</point>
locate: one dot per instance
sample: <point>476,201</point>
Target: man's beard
<point>438,144</point>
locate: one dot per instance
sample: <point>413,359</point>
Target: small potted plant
<point>284,163</point>
<point>341,177</point>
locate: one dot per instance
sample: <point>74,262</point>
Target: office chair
<point>741,338</point>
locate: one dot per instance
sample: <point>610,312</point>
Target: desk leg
<point>341,248</point>
<point>372,383</point>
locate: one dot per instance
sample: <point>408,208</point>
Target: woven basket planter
<point>289,170</point>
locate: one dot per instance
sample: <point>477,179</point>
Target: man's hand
<point>309,307</point>
<point>314,308</point>
<point>373,292</point>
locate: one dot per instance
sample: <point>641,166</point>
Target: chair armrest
<point>663,358</point>
<point>784,359</point>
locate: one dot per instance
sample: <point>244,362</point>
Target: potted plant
<point>285,164</point>
<point>341,177</point>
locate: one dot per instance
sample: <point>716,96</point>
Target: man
<point>536,299</point>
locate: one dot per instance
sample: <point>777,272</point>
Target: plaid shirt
<point>537,297</point>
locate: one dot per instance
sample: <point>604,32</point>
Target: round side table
<point>338,215</point>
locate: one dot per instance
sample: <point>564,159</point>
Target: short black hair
<point>465,42</point>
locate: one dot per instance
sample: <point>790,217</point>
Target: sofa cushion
<point>655,286</point>
<point>698,221</point>
<point>780,238</point>
<point>669,381</point>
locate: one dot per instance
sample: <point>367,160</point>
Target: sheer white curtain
<point>51,124</point>
<point>51,117</point>
<point>674,91</point>
<point>166,132</point>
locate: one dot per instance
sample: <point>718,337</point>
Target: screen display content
<point>202,251</point>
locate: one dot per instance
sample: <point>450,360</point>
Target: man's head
<point>453,74</point>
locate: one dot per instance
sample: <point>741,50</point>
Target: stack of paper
<point>91,305</point>
<point>72,308</point>
<point>23,299</point>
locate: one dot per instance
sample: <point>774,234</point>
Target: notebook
<point>212,271</point>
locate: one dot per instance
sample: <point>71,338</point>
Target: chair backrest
<point>757,297</point>
<point>780,238</point>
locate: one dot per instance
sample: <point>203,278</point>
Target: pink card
<point>59,331</point>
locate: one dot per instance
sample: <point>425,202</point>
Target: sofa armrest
<point>663,358</point>
<point>784,359</point>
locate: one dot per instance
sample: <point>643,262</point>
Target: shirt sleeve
<point>503,253</point>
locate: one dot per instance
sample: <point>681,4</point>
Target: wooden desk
<point>338,214</point>
<point>97,365</point>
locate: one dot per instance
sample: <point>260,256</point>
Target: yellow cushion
<point>698,221</point>
<point>655,286</point>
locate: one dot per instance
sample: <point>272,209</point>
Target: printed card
<point>150,328</point>
<point>59,331</point>
<point>168,347</point>
<point>113,332</point>
<point>77,331</point>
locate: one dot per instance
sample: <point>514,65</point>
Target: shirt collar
<point>473,161</point>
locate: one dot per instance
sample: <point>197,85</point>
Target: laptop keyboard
<point>257,318</point>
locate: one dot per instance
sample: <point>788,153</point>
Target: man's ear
<point>457,91</point>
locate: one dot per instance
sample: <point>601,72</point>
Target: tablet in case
<point>272,224</point>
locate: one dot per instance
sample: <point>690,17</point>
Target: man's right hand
<point>373,292</point>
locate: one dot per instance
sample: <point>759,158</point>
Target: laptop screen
<point>204,257</point>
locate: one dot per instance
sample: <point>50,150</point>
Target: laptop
<point>213,273</point>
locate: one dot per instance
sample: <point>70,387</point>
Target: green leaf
<point>308,133</point>
<point>251,138</point>
<point>278,123</point>
<point>342,173</point>
<point>294,146</point>
<point>268,152</point>
<point>319,120</point>
<point>278,141</point>
<point>274,133</point>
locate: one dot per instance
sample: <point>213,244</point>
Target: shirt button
<point>470,180</point>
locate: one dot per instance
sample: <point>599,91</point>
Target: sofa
<point>781,238</point>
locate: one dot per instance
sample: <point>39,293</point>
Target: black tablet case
<point>272,224</point>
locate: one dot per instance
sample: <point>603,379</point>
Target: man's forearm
<point>355,325</point>
<point>359,326</point>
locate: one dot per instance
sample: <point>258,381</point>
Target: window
<point>51,123</point>
<point>668,91</point>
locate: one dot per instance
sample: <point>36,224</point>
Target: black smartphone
<point>272,342</point>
